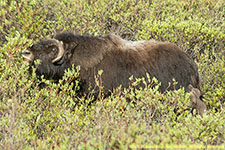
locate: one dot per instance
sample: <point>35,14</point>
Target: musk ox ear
<point>60,52</point>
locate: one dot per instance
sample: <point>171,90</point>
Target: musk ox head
<point>50,52</point>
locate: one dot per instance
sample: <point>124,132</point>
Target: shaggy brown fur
<point>119,59</point>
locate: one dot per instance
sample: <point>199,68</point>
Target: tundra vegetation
<point>49,118</point>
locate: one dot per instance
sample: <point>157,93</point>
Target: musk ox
<point>118,58</point>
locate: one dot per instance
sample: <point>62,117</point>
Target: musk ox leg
<point>196,102</point>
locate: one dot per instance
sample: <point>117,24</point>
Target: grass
<point>34,118</point>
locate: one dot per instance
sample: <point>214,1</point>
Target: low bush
<point>55,117</point>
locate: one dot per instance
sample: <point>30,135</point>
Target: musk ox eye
<point>60,52</point>
<point>52,51</point>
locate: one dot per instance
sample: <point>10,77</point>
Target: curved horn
<point>61,51</point>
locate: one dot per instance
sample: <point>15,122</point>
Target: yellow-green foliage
<point>49,118</point>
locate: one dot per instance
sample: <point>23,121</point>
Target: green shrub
<point>55,117</point>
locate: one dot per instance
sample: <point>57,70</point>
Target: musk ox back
<point>119,59</point>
